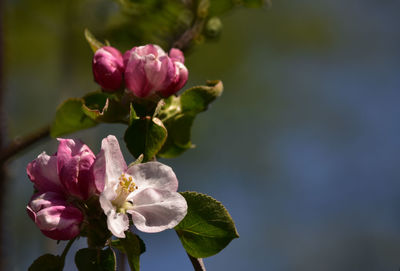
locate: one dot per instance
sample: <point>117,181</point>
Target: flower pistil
<point>126,186</point>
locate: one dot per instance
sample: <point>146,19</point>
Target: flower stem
<point>197,263</point>
<point>66,249</point>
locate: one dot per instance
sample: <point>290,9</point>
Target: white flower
<point>148,192</point>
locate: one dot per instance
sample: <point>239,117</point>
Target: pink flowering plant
<point>102,198</point>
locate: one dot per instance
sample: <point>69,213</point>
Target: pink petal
<point>166,73</point>
<point>40,201</point>
<point>117,223</point>
<point>155,71</point>
<point>127,55</point>
<point>54,216</point>
<point>108,68</point>
<point>183,76</point>
<point>177,80</point>
<point>150,49</point>
<point>135,76</point>
<point>177,55</point>
<point>116,54</point>
<point>74,162</point>
<point>109,164</point>
<point>153,175</point>
<point>157,210</point>
<point>43,173</point>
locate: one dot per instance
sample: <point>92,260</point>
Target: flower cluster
<point>68,179</point>
<point>143,70</point>
<point>59,178</point>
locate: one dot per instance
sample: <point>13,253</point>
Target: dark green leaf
<point>47,262</point>
<point>197,99</point>
<point>178,115</point>
<point>207,228</point>
<point>145,136</point>
<point>93,42</point>
<point>179,134</point>
<point>70,117</point>
<point>132,245</point>
<point>104,107</point>
<point>91,259</point>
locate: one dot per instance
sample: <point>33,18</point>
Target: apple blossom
<point>54,216</point>
<point>108,68</point>
<point>148,192</point>
<point>148,69</point>
<point>68,172</point>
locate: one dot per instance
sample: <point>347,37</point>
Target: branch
<point>185,40</point>
<point>21,143</point>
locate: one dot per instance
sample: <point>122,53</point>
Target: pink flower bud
<point>108,68</point>
<point>149,69</point>
<point>54,216</point>
<point>69,172</point>
<point>74,166</point>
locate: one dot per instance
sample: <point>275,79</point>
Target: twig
<point>197,263</point>
<point>21,143</point>
<point>185,40</point>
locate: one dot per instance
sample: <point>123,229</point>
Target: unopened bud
<point>108,68</point>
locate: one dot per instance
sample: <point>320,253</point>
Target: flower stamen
<point>126,186</point>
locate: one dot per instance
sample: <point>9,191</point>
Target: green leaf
<point>47,262</point>
<point>104,107</point>
<point>70,117</point>
<point>178,115</point>
<point>93,42</point>
<point>132,245</point>
<point>207,228</point>
<point>91,259</point>
<point>132,114</point>
<point>145,136</point>
<point>197,99</point>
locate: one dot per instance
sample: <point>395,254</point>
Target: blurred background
<point>302,148</point>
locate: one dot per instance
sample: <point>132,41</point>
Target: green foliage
<point>150,21</point>
<point>80,113</point>
<point>218,7</point>
<point>70,117</point>
<point>163,22</point>
<point>104,107</point>
<point>93,42</point>
<point>145,136</point>
<point>207,228</point>
<point>178,115</point>
<point>47,262</point>
<point>91,259</point>
<point>132,245</point>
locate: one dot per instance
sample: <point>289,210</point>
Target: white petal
<point>154,175</point>
<point>105,203</point>
<point>157,210</point>
<point>110,163</point>
<point>117,223</point>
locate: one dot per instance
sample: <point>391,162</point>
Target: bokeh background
<point>302,148</point>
